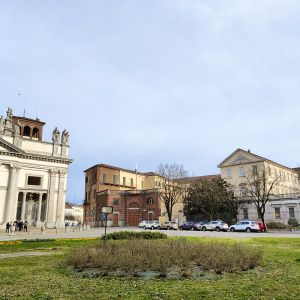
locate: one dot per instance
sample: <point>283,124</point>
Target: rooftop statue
<point>55,135</point>
<point>65,137</point>
<point>17,128</point>
<point>9,113</point>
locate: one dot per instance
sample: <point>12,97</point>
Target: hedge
<point>129,235</point>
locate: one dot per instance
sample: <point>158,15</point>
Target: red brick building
<point>130,207</point>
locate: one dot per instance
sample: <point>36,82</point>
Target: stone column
<point>38,221</point>
<point>52,200</point>
<point>23,206</point>
<point>10,209</point>
<point>60,212</point>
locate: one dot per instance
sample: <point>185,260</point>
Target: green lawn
<point>44,277</point>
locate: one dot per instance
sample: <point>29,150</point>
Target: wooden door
<point>150,216</point>
<point>115,220</point>
<point>133,217</point>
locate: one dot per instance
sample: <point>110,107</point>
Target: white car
<point>142,224</point>
<point>152,225</point>
<point>215,225</point>
<point>245,225</point>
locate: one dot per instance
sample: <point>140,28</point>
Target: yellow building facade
<point>284,203</point>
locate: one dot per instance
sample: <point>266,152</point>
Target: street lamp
<point>106,210</point>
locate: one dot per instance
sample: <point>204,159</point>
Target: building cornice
<point>37,157</point>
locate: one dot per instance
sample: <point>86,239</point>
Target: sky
<point>149,82</point>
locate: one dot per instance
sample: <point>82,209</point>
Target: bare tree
<point>259,186</point>
<point>174,185</point>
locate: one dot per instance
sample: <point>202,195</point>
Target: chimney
<point>249,151</point>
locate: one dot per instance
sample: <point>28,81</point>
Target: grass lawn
<point>43,277</point>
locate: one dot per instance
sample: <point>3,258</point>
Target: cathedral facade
<point>33,172</point>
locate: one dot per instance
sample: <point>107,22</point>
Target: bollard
<point>29,232</point>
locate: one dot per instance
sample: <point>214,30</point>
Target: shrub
<point>129,235</point>
<point>293,222</point>
<point>275,225</point>
<point>180,256</point>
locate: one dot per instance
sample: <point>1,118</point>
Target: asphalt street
<point>97,232</point>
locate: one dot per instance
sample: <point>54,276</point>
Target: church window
<point>34,180</point>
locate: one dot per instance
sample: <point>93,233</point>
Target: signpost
<point>105,211</point>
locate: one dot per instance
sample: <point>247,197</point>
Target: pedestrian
<point>25,226</point>
<point>7,227</point>
<point>13,227</point>
<point>21,225</point>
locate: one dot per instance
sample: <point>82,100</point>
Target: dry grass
<point>181,256</point>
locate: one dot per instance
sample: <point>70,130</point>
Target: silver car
<point>152,225</point>
<point>169,225</point>
<point>215,225</point>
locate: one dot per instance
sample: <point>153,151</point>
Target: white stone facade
<point>74,212</point>
<point>33,175</point>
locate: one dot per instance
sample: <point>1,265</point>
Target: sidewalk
<point>51,234</point>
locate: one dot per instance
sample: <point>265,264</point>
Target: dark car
<point>192,225</point>
<point>186,226</point>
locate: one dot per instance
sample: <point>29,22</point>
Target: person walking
<point>25,226</point>
<point>7,227</point>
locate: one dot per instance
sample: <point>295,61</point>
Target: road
<point>97,232</point>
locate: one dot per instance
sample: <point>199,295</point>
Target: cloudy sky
<point>150,82</point>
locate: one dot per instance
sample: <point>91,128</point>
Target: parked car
<point>245,225</point>
<point>142,224</point>
<point>152,225</point>
<point>192,225</point>
<point>187,226</point>
<point>215,225</point>
<point>169,225</point>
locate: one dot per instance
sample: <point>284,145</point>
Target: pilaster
<point>23,206</point>
<point>60,212</point>
<point>38,219</point>
<point>51,207</point>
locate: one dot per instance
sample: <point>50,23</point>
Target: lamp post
<point>106,210</point>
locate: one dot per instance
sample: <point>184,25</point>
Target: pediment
<point>8,147</point>
<point>240,157</point>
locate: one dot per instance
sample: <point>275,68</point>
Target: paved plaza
<point>97,232</point>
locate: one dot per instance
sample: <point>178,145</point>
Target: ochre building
<point>133,195</point>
